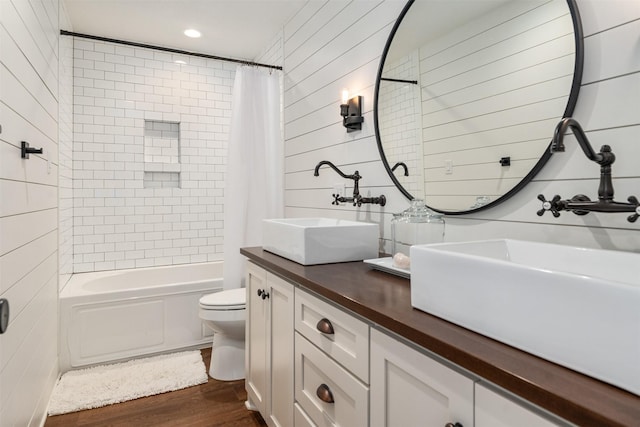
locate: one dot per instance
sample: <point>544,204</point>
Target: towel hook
<point>26,150</point>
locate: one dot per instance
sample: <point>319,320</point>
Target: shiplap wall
<point>28,209</point>
<point>492,88</point>
<point>329,46</point>
<point>335,44</point>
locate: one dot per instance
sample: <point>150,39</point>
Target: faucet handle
<point>335,199</point>
<point>549,205</point>
<point>634,201</point>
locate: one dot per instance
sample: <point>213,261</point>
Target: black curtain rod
<point>413,82</point>
<point>168,49</point>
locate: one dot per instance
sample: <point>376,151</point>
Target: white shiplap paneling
<point>607,107</point>
<point>28,216</point>
<point>343,52</point>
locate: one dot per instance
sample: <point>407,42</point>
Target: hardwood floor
<point>216,403</point>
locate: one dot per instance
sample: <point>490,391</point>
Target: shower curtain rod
<point>413,82</point>
<point>168,49</point>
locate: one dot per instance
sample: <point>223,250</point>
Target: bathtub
<point>121,314</point>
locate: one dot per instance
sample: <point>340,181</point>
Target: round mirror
<point>468,95</point>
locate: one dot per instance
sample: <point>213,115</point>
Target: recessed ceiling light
<point>192,33</point>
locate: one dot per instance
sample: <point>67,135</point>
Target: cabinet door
<point>280,348</point>
<point>494,410</point>
<point>256,338</point>
<point>409,388</point>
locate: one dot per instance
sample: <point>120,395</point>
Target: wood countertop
<point>385,300</point>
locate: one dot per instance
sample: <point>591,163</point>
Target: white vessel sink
<point>576,307</point>
<point>309,241</point>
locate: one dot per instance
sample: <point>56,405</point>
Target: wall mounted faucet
<point>581,204</point>
<point>356,199</point>
<point>403,165</point>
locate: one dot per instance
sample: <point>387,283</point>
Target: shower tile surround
<point>398,115</point>
<point>65,159</point>
<point>135,202</point>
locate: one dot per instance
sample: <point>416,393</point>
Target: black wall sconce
<point>351,112</point>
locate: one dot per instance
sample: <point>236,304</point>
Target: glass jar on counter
<point>414,226</point>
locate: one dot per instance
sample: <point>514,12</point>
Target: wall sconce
<point>351,112</point>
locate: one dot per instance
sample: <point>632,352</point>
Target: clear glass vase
<point>414,226</point>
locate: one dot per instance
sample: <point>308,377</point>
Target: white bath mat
<point>107,384</point>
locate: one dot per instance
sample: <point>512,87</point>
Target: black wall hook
<point>26,150</point>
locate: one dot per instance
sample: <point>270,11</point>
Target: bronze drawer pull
<point>324,393</point>
<point>453,425</point>
<point>325,326</point>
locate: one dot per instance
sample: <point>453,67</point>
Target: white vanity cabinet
<point>331,365</point>
<point>312,363</point>
<point>269,346</point>
<point>409,388</point>
<point>495,410</point>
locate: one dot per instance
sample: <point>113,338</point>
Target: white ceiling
<point>231,28</point>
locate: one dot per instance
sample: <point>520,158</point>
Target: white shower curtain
<point>254,173</point>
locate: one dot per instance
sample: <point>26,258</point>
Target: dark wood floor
<point>216,403</point>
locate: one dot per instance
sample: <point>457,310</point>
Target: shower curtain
<point>254,173</point>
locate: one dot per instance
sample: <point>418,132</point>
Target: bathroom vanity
<point>340,344</point>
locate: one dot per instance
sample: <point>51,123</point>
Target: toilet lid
<point>228,300</point>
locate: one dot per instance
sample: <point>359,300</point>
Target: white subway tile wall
<point>65,158</point>
<point>161,142</point>
<point>398,110</point>
<point>161,179</point>
<point>118,223</point>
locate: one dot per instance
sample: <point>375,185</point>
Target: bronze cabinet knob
<point>324,393</point>
<point>325,326</point>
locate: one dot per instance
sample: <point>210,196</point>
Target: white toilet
<point>224,312</point>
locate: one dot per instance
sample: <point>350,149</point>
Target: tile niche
<point>161,154</point>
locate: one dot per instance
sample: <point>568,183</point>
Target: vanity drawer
<point>348,344</point>
<point>317,376</point>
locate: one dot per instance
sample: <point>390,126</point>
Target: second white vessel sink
<point>577,307</point>
<point>310,241</point>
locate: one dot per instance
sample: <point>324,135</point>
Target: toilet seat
<point>230,299</point>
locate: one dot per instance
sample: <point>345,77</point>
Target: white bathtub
<point>114,315</point>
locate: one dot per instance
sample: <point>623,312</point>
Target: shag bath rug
<point>107,384</point>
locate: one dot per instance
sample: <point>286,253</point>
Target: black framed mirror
<point>468,94</point>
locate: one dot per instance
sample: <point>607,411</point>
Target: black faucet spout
<point>316,172</point>
<point>581,204</point>
<point>403,165</point>
<point>604,157</point>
